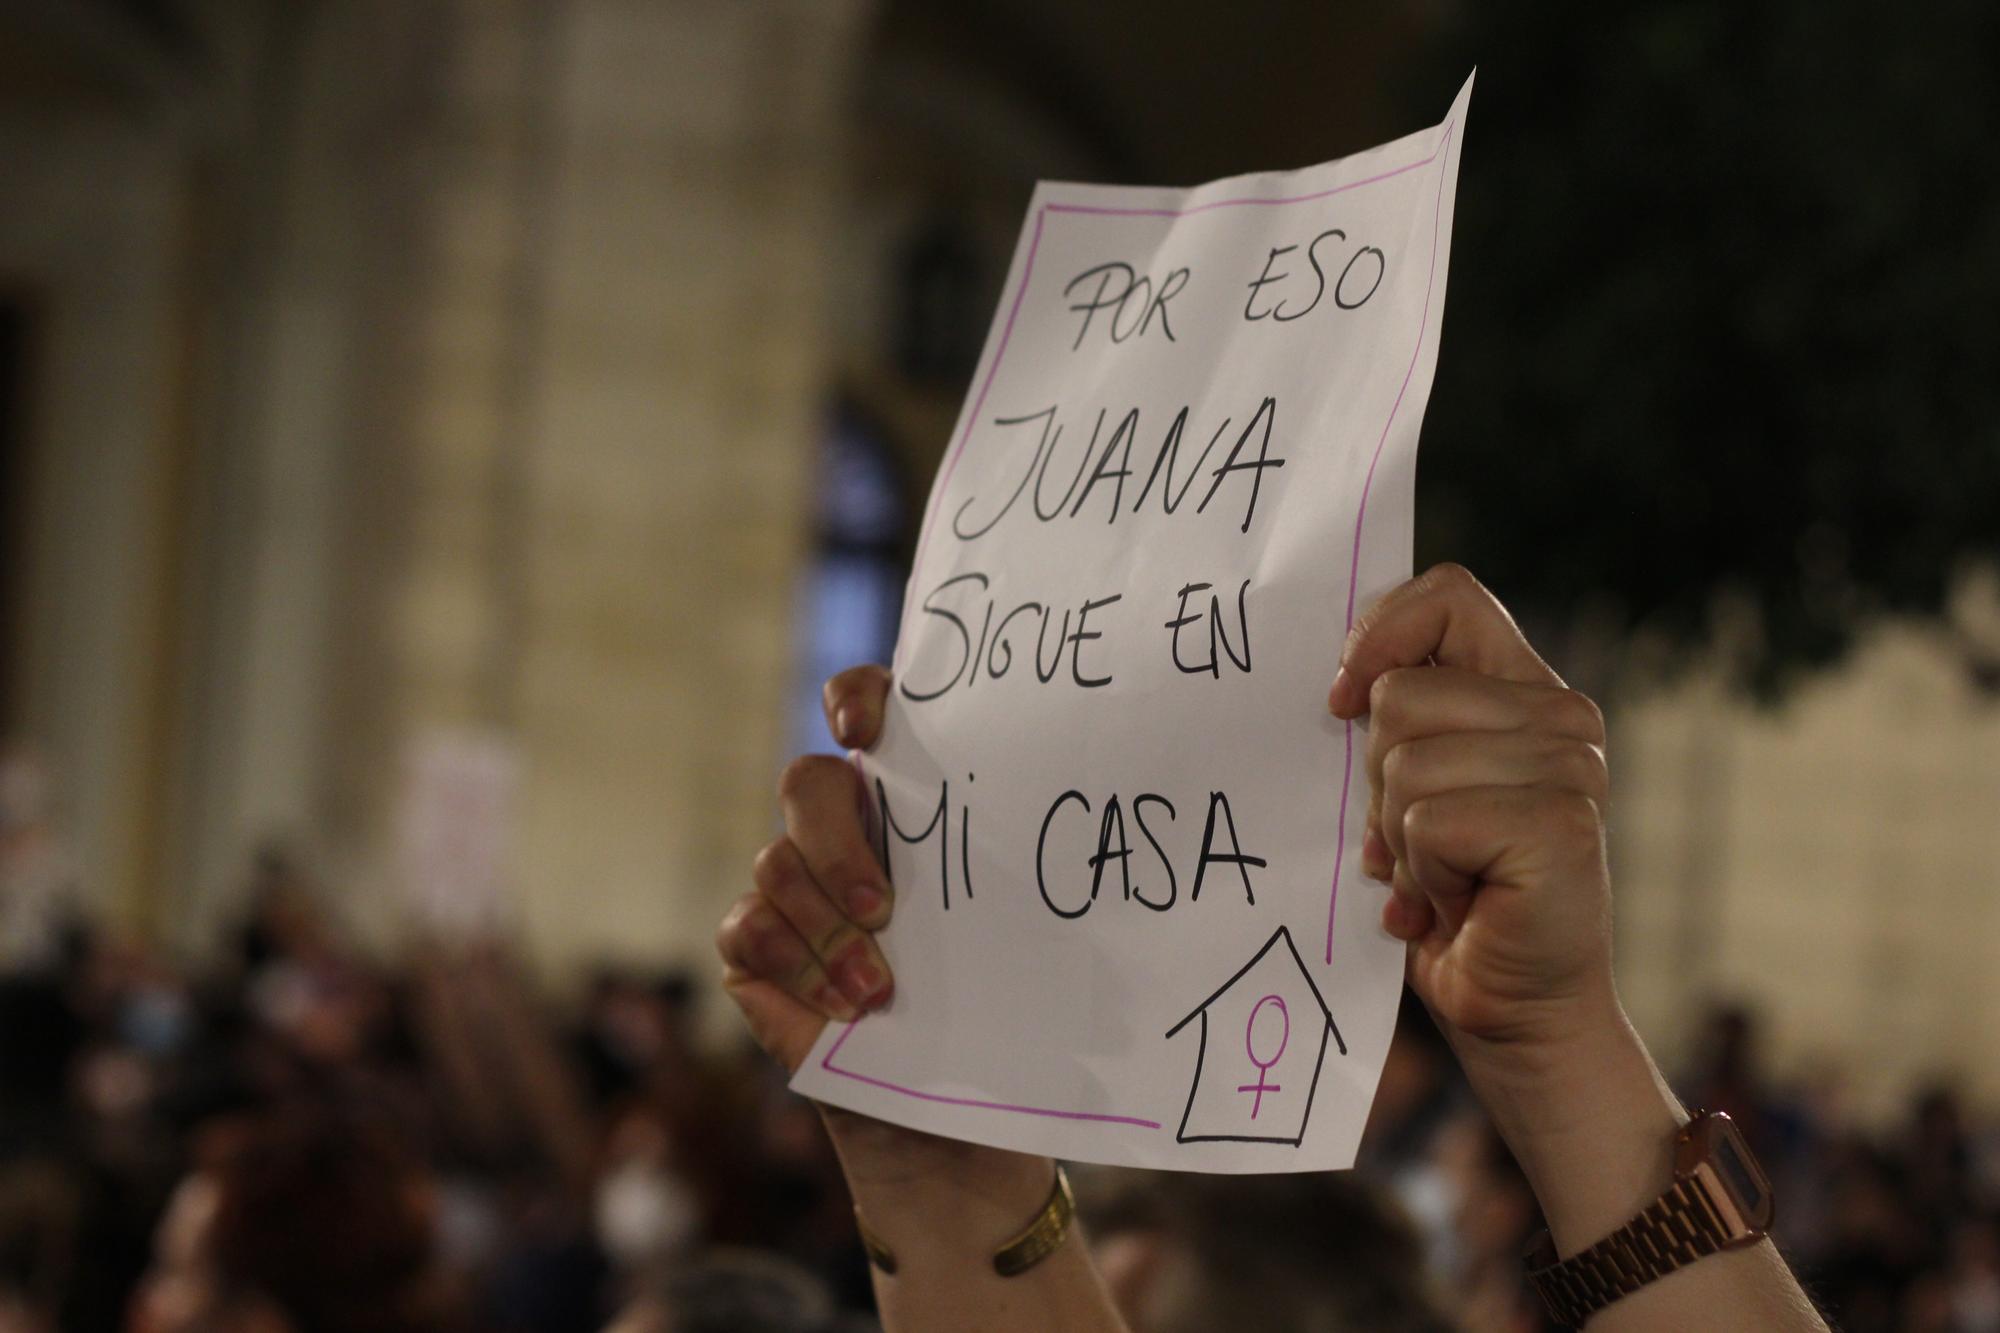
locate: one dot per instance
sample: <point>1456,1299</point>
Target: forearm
<point>943,1230</point>
<point>1592,1123</point>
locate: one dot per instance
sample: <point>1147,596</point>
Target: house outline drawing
<point>1319,1058</point>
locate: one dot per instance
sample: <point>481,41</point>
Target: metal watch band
<point>1041,1238</point>
<point>1679,1227</point>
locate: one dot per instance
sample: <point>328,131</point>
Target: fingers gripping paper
<point>1123,830</point>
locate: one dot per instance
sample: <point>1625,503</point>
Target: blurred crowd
<point>297,1137</point>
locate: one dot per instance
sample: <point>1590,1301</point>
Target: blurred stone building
<point>387,373</point>
<point>397,368</point>
<point>1829,864</point>
<point>394,369</point>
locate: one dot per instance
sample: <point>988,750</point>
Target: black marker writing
<point>1127,428</point>
<point>1139,814</point>
<point>1236,857</point>
<point>939,822</point>
<point>958,627</point>
<point>1340,288</point>
<point>1364,267</point>
<point>958,519</point>
<point>1168,457</point>
<point>1266,411</point>
<point>1113,457</point>
<point>1041,849</point>
<point>1078,639</point>
<point>1114,848</point>
<point>1218,635</point>
<point>1130,286</point>
<point>947,611</point>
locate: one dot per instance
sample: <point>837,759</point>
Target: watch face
<point>1716,1150</point>
<point>1735,1170</point>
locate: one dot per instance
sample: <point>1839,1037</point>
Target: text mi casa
<point>1089,852</point>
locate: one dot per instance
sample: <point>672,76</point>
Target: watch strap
<point>1679,1227</point>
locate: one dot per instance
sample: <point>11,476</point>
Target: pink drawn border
<point>1361,514</point>
<point>1354,569</point>
<point>826,1063</point>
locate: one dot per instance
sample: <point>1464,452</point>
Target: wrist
<point>1586,1115</point>
<point>926,1196</point>
<point>1539,1075</point>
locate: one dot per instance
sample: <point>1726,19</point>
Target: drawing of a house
<point>1262,1038</point>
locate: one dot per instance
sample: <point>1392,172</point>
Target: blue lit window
<point>852,594</point>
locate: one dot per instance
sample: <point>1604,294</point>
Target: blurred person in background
<point>735,1291</point>
<point>39,1034</point>
<point>36,877</point>
<point>1187,1253</point>
<point>311,1220</point>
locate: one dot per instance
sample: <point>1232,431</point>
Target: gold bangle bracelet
<point>1042,1237</point>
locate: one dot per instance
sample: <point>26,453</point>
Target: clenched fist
<point>1488,787</point>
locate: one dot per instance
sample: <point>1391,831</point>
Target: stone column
<point>604,444</point>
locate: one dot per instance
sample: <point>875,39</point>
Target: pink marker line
<point>1360,516</point>
<point>979,403</point>
<point>826,1063</point>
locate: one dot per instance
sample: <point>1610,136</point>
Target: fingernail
<point>859,980</point>
<point>1377,862</point>
<point>1336,698</point>
<point>843,725</point>
<point>865,901</point>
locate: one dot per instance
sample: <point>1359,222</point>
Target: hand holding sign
<point>801,948</point>
<point>784,942</point>
<point>1488,781</point>
<point>1489,789</point>
<point>1487,777</point>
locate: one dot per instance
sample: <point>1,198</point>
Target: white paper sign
<point>1131,925</point>
<point>455,823</point>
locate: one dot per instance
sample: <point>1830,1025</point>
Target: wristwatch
<point>1720,1200</point>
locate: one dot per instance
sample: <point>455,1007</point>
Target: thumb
<point>1444,616</point>
<point>784,1027</point>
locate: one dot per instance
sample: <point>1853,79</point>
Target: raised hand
<point>799,948</point>
<point>1488,784</point>
<point>1487,821</point>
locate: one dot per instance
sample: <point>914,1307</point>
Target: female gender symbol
<point>1263,1084</point>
